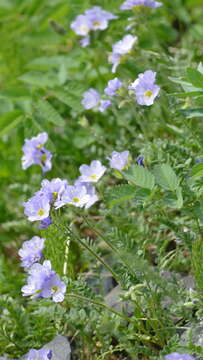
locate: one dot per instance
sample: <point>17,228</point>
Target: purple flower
<point>140,160</point>
<point>31,251</point>
<point>42,354</point>
<point>37,207</point>
<point>104,104</point>
<point>45,223</point>
<point>199,160</point>
<point>129,4</point>
<point>113,86</point>
<point>145,89</point>
<point>91,99</point>
<point>93,172</point>
<point>35,153</point>
<point>119,160</point>
<point>90,191</point>
<point>99,18</point>
<point>37,141</point>
<point>120,49</point>
<point>43,282</point>
<point>94,19</point>
<point>53,189</point>
<point>85,41</point>
<point>177,356</point>
<point>44,160</point>
<point>81,25</point>
<point>73,195</point>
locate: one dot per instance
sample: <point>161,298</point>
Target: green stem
<point>69,231</point>
<point>138,336</point>
<point>112,247</point>
<point>83,298</point>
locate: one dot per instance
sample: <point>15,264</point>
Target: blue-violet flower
<point>35,153</point>
<point>37,207</point>
<point>145,88</point>
<point>119,160</point>
<point>121,48</point>
<point>129,4</point>
<point>177,356</point>
<point>31,251</point>
<point>91,99</point>
<point>92,172</point>
<point>42,354</point>
<point>43,282</point>
<point>113,86</point>
<point>73,195</point>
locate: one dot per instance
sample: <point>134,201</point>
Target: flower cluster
<point>35,153</point>
<point>120,49</point>
<point>93,19</point>
<point>57,193</point>
<point>43,282</point>
<point>42,354</point>
<point>92,100</point>
<point>130,4</point>
<point>145,89</point>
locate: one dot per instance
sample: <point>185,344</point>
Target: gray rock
<point>193,334</point>
<point>102,284</point>
<point>186,282</point>
<point>60,347</point>
<point>114,301</point>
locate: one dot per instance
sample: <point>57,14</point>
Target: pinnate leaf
<point>140,176</point>
<point>166,177</point>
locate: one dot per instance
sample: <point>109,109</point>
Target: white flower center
<point>76,199</point>
<point>84,28</point>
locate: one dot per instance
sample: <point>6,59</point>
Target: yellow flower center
<point>39,146</point>
<point>148,93</point>
<point>40,212</point>
<point>96,23</point>
<point>55,195</point>
<point>55,288</point>
<point>76,200</point>
<point>93,176</point>
<point>43,157</point>
<point>138,8</point>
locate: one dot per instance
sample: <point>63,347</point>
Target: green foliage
<point>197,171</point>
<point>140,176</point>
<point>195,77</point>
<point>166,177</point>
<point>147,226</point>
<point>197,263</point>
<point>47,111</point>
<point>119,194</point>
